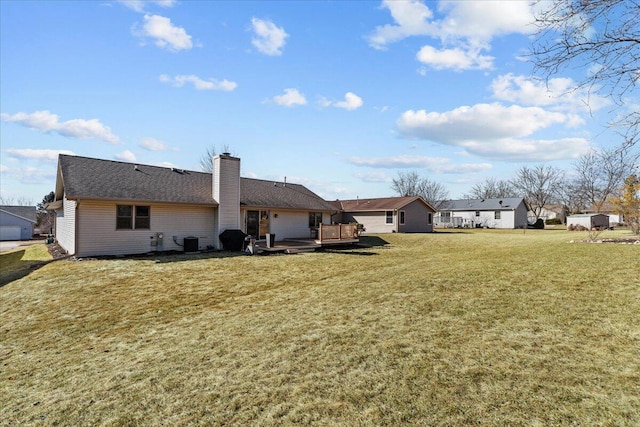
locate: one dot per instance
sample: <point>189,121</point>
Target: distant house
<point>16,222</point>
<point>608,209</point>
<point>410,214</point>
<point>478,213</point>
<point>589,221</point>
<point>114,208</point>
<point>554,211</point>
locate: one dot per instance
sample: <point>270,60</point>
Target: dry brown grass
<point>471,328</point>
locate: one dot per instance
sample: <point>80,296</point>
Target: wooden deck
<point>291,246</point>
<point>325,235</point>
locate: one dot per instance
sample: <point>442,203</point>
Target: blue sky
<point>340,96</point>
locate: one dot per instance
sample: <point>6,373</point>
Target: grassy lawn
<point>20,262</point>
<point>473,327</point>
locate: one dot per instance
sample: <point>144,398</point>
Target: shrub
<point>553,221</point>
<point>538,225</point>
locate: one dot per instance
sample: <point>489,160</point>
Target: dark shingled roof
<point>87,178</point>
<point>378,204</point>
<point>507,203</point>
<point>259,193</point>
<point>25,212</point>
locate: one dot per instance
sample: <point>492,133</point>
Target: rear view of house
<point>115,208</point>
<point>411,214</point>
<point>480,213</point>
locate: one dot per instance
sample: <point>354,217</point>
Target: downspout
<point>75,233</point>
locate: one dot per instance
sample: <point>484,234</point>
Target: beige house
<point>115,208</point>
<point>411,214</point>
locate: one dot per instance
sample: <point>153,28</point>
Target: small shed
<point>16,222</point>
<point>589,221</point>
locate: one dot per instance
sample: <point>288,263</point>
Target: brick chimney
<point>226,191</point>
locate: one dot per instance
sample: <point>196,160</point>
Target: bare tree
<point>433,192</point>
<point>206,161</point>
<point>20,201</point>
<point>407,183</point>
<point>599,174</point>
<point>492,189</point>
<point>412,184</point>
<point>571,198</point>
<point>539,185</point>
<point>45,219</point>
<point>603,38</point>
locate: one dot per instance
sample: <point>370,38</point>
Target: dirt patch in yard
<point>56,251</point>
<point>624,241</point>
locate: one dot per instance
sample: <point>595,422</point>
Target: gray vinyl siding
<point>520,216</point>
<point>509,218</point>
<point>13,222</point>
<point>416,218</point>
<point>66,225</point>
<point>97,233</point>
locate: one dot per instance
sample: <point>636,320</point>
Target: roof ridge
<point>272,181</point>
<point>132,163</point>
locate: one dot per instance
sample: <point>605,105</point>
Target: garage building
<point>16,222</point>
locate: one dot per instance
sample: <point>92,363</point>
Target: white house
<point>114,208</point>
<point>479,213</point>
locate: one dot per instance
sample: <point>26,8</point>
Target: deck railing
<point>337,232</point>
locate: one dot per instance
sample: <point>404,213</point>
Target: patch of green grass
<point>19,262</point>
<point>479,327</point>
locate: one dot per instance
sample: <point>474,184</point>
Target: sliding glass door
<point>258,223</point>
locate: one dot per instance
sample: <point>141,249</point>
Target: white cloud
<point>434,164</point>
<point>30,174</point>
<point>139,5</point>
<point>483,20</point>
<point>557,93</point>
<point>44,121</point>
<point>494,131</point>
<point>373,177</point>
<point>464,28</point>
<point>411,19</point>
<point>165,34</point>
<point>125,156</point>
<point>481,121</point>
<point>268,38</point>
<point>529,150</point>
<point>351,102</point>
<point>457,59</point>
<point>37,154</point>
<point>290,98</point>
<point>152,144</point>
<point>198,83</point>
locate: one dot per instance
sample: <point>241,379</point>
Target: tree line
<point>599,180</point>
